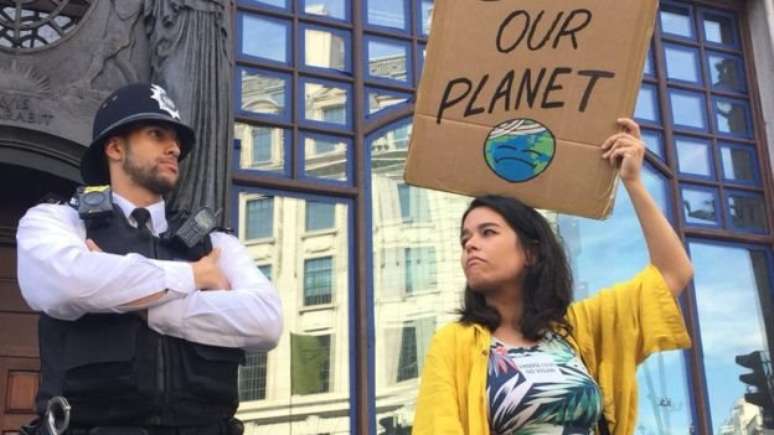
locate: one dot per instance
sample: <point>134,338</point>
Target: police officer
<point>140,330</point>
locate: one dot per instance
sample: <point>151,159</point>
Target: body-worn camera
<point>196,227</point>
<point>94,202</point>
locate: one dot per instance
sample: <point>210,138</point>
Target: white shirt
<point>61,277</point>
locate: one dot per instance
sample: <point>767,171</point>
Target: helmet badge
<point>165,103</point>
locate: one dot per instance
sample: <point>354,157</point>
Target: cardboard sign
<point>517,96</point>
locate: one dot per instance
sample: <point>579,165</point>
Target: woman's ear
<point>531,254</point>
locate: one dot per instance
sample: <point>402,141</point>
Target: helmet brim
<point>94,169</point>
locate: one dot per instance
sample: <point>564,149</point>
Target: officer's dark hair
<point>547,290</point>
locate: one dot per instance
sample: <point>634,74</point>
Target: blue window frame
<point>331,51</point>
<point>325,158</point>
<point>262,94</point>
<point>732,117</point>
<point>379,102</point>
<point>320,215</point>
<point>682,63</point>
<point>423,18</point>
<point>688,110</point>
<point>264,39</point>
<point>269,4</point>
<point>259,218</point>
<point>388,60</point>
<point>746,211</point>
<point>701,206</point>
<point>676,20</point>
<point>718,28</point>
<point>647,109</point>
<point>318,281</point>
<point>420,54</point>
<point>648,69</point>
<point>654,142</point>
<point>391,15</point>
<point>694,157</point>
<point>325,103</point>
<point>339,10</point>
<point>739,164</point>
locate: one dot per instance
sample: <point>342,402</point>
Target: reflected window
<point>732,290</point>
<point>413,204</point>
<point>682,63</point>
<point>326,103</point>
<point>388,60</point>
<point>252,377</point>
<point>747,211</point>
<point>327,8</point>
<point>732,117</point>
<point>310,364</point>
<point>647,104</point>
<point>318,281</point>
<point>261,148</point>
<point>688,109</point>
<point>739,163</point>
<point>326,157</point>
<point>719,29</point>
<point>408,367</point>
<point>320,215</point>
<point>426,15</point>
<point>326,49</point>
<point>265,269</point>
<point>263,93</point>
<point>259,219</point>
<point>266,38</point>
<point>420,271</point>
<point>694,156</point>
<point>676,21</point>
<point>700,207</point>
<point>726,72</point>
<point>387,13</point>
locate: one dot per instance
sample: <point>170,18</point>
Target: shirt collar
<point>157,211</point>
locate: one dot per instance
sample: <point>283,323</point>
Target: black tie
<point>141,216</point>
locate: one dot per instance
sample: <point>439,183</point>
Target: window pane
<point>258,217</point>
<point>647,105</point>
<point>325,103</point>
<point>278,3</point>
<point>730,285</point>
<point>738,164</point>
<point>427,16</point>
<point>417,278</point>
<point>318,281</point>
<point>597,263</point>
<point>653,142</point>
<point>726,72</point>
<point>261,148</point>
<point>747,211</point>
<point>694,156</point>
<point>378,101</point>
<point>388,60</point>
<point>733,117</point>
<point>719,29</point>
<point>676,21</point>
<point>688,109</point>
<point>252,377</point>
<point>263,93</point>
<point>682,63</point>
<point>326,8</point>
<point>648,68</point>
<point>311,362</point>
<point>320,215</point>
<point>326,157</point>
<point>325,49</point>
<point>387,13</point>
<point>266,38</point>
<point>700,207</point>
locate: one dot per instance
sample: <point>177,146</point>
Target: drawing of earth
<point>519,150</point>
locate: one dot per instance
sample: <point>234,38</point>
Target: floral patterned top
<point>543,389</point>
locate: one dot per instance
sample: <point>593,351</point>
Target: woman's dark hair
<point>548,280</point>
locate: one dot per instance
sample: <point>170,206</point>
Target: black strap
<point>603,429</point>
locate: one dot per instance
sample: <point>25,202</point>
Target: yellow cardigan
<point>613,331</point>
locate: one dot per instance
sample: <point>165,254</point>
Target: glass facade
<point>368,266</point>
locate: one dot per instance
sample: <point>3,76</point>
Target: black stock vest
<point>113,369</point>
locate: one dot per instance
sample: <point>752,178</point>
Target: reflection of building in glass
<point>745,419</point>
<point>302,386</point>
<point>324,49</point>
